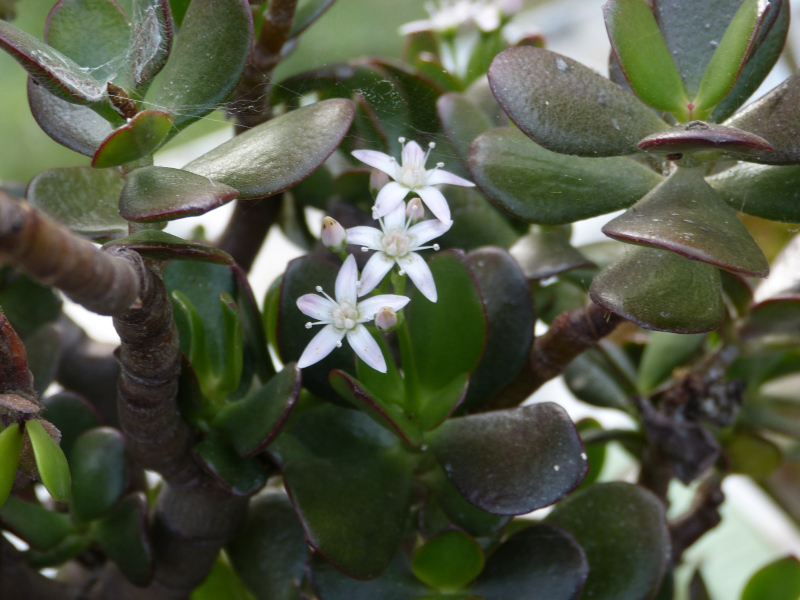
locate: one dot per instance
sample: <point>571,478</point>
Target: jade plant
<point>228,448</point>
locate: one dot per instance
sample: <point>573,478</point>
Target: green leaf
<point>462,122</point>
<point>396,583</point>
<point>595,451</point>
<point>43,348</point>
<point>222,582</point>
<point>643,55</point>
<point>82,198</point>
<point>26,303</point>
<point>686,216</point>
<point>139,137</point>
<point>699,136</point>
<point>151,40</point>
<point>100,472</point>
<point>306,13</point>
<point>658,289</point>
<point>252,423</point>
<point>100,52</point>
<point>277,154</point>
<point>602,376</point>
<point>773,323</point>
<point>513,461</point>
<point>626,540</point>
<point>566,107</point>
<point>663,353</point>
<point>41,528</point>
<point>752,455</point>
<point>67,549</point>
<point>238,476</point>
<point>164,194</point>
<point>449,561</point>
<point>511,318</point>
<point>545,251</point>
<point>50,461</point>
<point>506,166</point>
<point>779,580</point>
<point>729,57</point>
<point>759,190</point>
<point>72,415</point>
<point>350,482</point>
<point>205,63</point>
<point>270,551</point>
<point>158,245</point>
<point>541,557</point>
<point>10,447</point>
<point>447,336</point>
<point>122,534</point>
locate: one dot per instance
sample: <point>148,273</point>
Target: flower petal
<point>396,218</point>
<point>420,273</point>
<point>375,270</point>
<point>347,282</point>
<point>367,348</point>
<point>437,176</point>
<point>416,27</point>
<point>378,160</point>
<point>371,306</point>
<point>436,202</point>
<point>425,231</point>
<point>413,154</point>
<point>320,346</point>
<point>316,307</point>
<point>389,197</point>
<point>365,236</point>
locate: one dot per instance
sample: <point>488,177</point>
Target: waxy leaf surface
<point>277,154</point>
<point>10,447</point>
<point>514,461</point>
<point>779,580</point>
<point>601,376</point>
<point>763,191</point>
<point>82,198</point>
<point>206,62</point>
<point>623,531</point>
<point>541,557</point>
<point>100,472</point>
<point>663,353</point>
<point>159,245</point>
<point>139,137</point>
<point>658,289</point>
<point>698,136</point>
<point>151,39</point>
<point>239,476</point>
<point>50,461</point>
<point>448,561</point>
<point>648,65</point>
<point>164,194</point>
<point>397,583</point>
<point>43,529</point>
<point>122,534</point>
<point>72,415</point>
<point>544,252</point>
<point>566,107</point>
<point>685,215</point>
<point>539,186</point>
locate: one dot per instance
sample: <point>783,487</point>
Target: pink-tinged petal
<point>371,306</point>
<point>436,202</point>
<point>437,176</point>
<point>366,347</point>
<point>425,231</point>
<point>316,306</point>
<point>412,153</point>
<point>320,346</point>
<point>365,236</point>
<point>347,282</point>
<point>420,273</point>
<point>388,198</point>
<point>377,160</point>
<point>375,270</point>
<point>396,218</point>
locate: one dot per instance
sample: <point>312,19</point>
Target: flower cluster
<point>402,233</point>
<point>450,15</point>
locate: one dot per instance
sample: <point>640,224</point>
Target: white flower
<point>396,243</point>
<point>410,176</point>
<point>344,317</point>
<point>451,15</point>
<point>333,234</point>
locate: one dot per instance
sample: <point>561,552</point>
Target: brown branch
<point>701,518</point>
<point>103,282</point>
<point>571,333</point>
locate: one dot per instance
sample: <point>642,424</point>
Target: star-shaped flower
<point>410,176</point>
<point>397,242</point>
<point>345,317</point>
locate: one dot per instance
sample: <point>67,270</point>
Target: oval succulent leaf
<point>164,194</point>
<point>158,245</point>
<point>100,472</point>
<point>43,529</point>
<point>698,136</point>
<point>205,63</point>
<point>626,540</point>
<point>763,191</point>
<point>685,215</point>
<point>10,447</point>
<point>151,39</point>
<point>658,289</point>
<point>123,536</point>
<point>539,186</point>
<point>77,127</point>
<point>643,55</point>
<point>139,137</point>
<point>50,461</point>
<point>238,476</point>
<point>730,56</point>
<point>514,461</point>
<point>779,580</point>
<point>277,154</point>
<point>396,583</point>
<point>566,107</point>
<point>448,561</point>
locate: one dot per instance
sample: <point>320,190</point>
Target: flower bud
<point>386,318</point>
<point>333,235</point>
<point>377,180</point>
<point>414,210</point>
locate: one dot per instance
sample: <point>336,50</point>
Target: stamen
<point>318,288</point>
<point>401,272</point>
<point>440,165</point>
<point>339,344</point>
<point>364,248</point>
<point>402,140</point>
<point>436,247</point>
<point>308,325</point>
<point>321,291</point>
<point>432,145</point>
